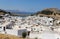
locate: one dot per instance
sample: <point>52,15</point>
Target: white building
<point>38,26</point>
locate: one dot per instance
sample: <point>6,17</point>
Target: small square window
<point>0,27</point>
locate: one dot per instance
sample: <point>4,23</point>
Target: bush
<point>24,34</point>
<point>46,12</point>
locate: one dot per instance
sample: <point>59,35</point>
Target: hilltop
<point>50,12</point>
<point>3,12</point>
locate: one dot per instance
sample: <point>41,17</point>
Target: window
<point>0,27</point>
<point>50,21</point>
<point>8,27</point>
<point>34,29</point>
<point>19,27</point>
<point>54,14</point>
<point>59,22</point>
<point>41,16</point>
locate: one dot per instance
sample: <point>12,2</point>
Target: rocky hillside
<point>49,12</point>
<point>3,12</point>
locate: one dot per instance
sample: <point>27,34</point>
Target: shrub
<point>24,34</point>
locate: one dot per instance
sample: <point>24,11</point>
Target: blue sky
<point>29,5</point>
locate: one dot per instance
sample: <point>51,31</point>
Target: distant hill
<point>49,12</point>
<point>20,13</point>
<point>3,12</point>
<point>15,12</point>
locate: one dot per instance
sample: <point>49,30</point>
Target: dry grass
<point>2,36</point>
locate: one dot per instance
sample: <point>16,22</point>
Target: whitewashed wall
<point>16,32</point>
<point>12,32</point>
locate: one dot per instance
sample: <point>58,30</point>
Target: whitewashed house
<point>16,32</point>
